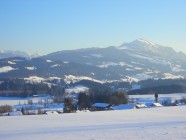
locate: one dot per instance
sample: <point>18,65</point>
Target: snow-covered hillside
<point>139,59</point>
<point>168,123</point>
<point>6,69</point>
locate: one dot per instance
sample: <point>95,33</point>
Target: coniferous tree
<point>83,101</point>
<point>68,106</point>
<point>5,108</point>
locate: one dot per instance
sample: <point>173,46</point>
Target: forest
<point>21,88</point>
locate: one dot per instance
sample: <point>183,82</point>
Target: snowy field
<point>12,100</point>
<point>16,100</point>
<point>165,123</point>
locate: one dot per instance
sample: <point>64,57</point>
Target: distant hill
<point>8,54</point>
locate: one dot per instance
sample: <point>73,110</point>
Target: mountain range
<point>137,60</point>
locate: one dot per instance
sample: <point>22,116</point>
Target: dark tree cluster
<point>20,88</point>
<point>83,101</point>
<point>69,106</point>
<point>108,96</point>
<point>97,95</point>
<point>166,89</point>
<point>5,108</point>
<point>183,100</point>
<point>162,82</point>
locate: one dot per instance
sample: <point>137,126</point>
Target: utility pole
<point>156,97</point>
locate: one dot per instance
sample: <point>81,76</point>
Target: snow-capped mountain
<point>8,54</point>
<point>140,59</point>
<point>134,61</point>
<point>153,49</point>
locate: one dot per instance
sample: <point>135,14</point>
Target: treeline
<point>161,86</point>
<point>92,84</point>
<point>19,88</point>
<point>162,82</point>
<point>166,89</point>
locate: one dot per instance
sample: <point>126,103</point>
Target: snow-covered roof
<point>100,105</point>
<point>123,106</point>
<point>157,104</point>
<point>141,106</point>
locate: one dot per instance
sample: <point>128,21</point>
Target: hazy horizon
<point>66,49</point>
<point>46,26</point>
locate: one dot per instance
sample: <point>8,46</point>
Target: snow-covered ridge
<point>34,79</point>
<point>9,53</point>
<point>171,76</point>
<point>129,79</point>
<point>70,78</point>
<point>139,45</point>
<point>12,63</point>
<point>77,89</point>
<point>146,42</point>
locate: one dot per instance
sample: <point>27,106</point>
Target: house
<point>123,107</point>
<point>156,104</point>
<point>140,105</point>
<point>100,106</point>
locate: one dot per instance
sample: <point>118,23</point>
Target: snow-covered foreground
<point>166,123</point>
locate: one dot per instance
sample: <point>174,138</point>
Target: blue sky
<point>45,26</point>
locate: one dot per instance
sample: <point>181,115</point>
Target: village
<point>46,104</point>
